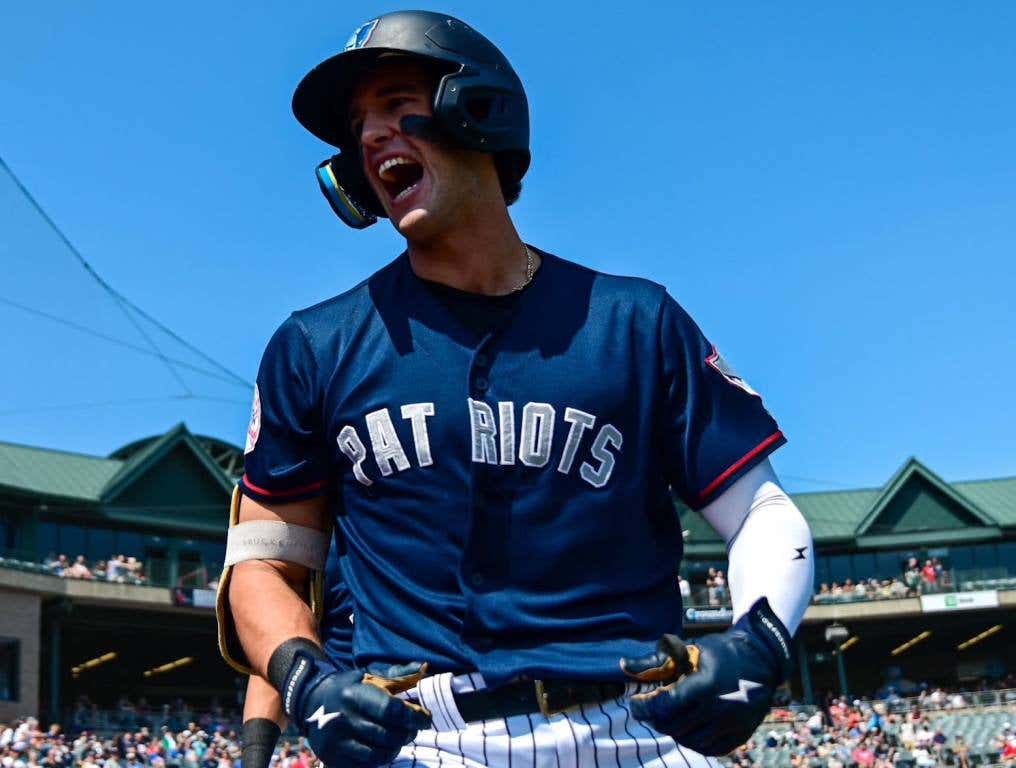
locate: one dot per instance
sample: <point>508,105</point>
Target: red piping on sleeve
<point>288,492</point>
<point>739,463</point>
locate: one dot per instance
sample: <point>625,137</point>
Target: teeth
<point>391,163</point>
<point>405,193</point>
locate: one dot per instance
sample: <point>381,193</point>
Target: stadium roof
<point>915,507</point>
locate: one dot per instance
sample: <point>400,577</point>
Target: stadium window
<point>839,568</point>
<point>10,652</point>
<point>864,566</point>
<point>889,565</point>
<point>213,553</point>
<point>129,543</point>
<point>822,570</point>
<point>73,541</point>
<point>961,558</point>
<point>47,539</point>
<point>191,572</point>
<point>100,544</point>
<point>157,565</point>
<point>1007,556</point>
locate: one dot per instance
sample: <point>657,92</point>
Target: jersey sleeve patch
<point>716,361</point>
<point>254,427</point>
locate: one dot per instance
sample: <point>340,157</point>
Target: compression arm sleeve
<point>769,545</point>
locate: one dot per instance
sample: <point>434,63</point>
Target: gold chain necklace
<point>530,269</point>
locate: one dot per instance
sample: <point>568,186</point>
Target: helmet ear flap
<point>347,192</point>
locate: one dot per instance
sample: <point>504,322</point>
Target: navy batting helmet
<point>479,103</point>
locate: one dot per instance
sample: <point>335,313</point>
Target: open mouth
<point>400,177</point>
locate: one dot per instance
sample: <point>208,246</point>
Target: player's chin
<point>417,220</point>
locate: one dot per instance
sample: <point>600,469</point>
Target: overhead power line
<point>119,342</point>
<point>124,401</point>
<point>125,304</point>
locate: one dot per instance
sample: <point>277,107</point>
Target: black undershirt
<point>477,312</point>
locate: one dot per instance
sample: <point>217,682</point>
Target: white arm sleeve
<point>769,545</point>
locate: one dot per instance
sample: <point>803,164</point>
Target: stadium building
<point>148,630</point>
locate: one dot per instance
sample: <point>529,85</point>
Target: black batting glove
<point>720,688</point>
<point>348,718</point>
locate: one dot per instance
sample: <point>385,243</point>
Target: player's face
<point>424,188</point>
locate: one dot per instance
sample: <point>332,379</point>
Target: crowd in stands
<point>915,580</point>
<point>120,569</point>
<point>888,733</point>
<point>24,744</point>
<point>866,735</point>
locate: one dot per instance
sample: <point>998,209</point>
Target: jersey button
<point>481,360</point>
<point>481,384</point>
<point>476,580</point>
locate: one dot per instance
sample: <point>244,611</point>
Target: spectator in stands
<point>720,585</point>
<point>897,589</point>
<point>685,588</point>
<point>1008,753</point>
<point>929,577</point>
<point>79,570</point>
<point>863,755</point>
<point>116,568</point>
<point>135,573</point>
<point>823,593</point>
<point>912,577</point>
<point>816,723</point>
<point>961,752</point>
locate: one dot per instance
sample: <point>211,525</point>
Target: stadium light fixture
<point>911,643</point>
<point>170,666</point>
<point>92,663</point>
<point>978,638</point>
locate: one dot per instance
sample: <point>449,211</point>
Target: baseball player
<point>501,431</point>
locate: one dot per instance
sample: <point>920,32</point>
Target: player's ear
<point>347,191</point>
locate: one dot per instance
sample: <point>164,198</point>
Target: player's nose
<point>377,129</point>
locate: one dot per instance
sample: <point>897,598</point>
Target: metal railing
<point>109,721</point>
<point>28,562</point>
<point>956,701</point>
<point>952,581</point>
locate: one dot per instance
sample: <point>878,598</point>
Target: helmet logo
<point>361,35</point>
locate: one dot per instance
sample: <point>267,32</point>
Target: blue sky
<point>829,189</point>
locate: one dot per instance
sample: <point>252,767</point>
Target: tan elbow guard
<point>266,540</point>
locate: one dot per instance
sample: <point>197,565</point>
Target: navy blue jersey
<point>505,494</point>
<point>336,626</point>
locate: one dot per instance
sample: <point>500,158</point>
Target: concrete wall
<point>20,618</point>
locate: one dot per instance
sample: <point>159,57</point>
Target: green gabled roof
<point>845,516</point>
<point>996,497</point>
<point>63,475</point>
<point>57,474</point>
<point>832,515</point>
<point>142,460</point>
<point>835,515</point>
<point>913,470</point>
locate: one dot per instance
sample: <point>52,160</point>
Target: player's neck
<point>488,259</point>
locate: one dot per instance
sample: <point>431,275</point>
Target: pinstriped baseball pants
<point>600,735</point>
